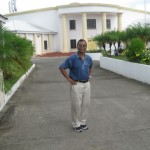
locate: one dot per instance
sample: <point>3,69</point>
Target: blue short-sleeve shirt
<point>79,69</point>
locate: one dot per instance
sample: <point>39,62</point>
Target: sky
<point>23,5</point>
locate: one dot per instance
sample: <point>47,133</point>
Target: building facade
<point>62,26</point>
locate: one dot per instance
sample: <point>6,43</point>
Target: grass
<point>11,81</point>
<point>94,51</point>
<point>120,57</point>
<point>126,59</point>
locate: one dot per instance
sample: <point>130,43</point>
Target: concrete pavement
<point>37,117</point>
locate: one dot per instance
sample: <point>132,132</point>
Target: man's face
<point>82,47</point>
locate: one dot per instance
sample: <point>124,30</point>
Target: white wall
<point>38,44</point>
<point>132,17</point>
<point>113,18</point>
<point>22,35</point>
<point>90,9</point>
<point>92,32</point>
<point>45,19</point>
<point>131,70</point>
<point>77,33</point>
<point>30,37</point>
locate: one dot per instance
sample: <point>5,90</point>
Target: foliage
<point>100,40</point>
<point>15,56</point>
<point>146,57</point>
<point>134,40</point>
<point>94,51</point>
<point>105,53</point>
<point>139,30</point>
<point>111,38</point>
<point>124,53</point>
<point>121,57</point>
<point>135,50</point>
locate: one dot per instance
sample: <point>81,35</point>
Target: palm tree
<point>100,40</point>
<point>139,30</point>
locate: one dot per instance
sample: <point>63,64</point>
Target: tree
<point>139,30</point>
<point>100,40</point>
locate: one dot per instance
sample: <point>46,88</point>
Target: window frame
<point>73,43</point>
<point>91,23</point>
<point>45,45</point>
<point>72,24</point>
<point>108,23</point>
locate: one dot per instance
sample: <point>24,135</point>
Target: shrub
<point>106,53</point>
<point>146,57</point>
<point>124,53</point>
<point>135,50</point>
<point>15,56</point>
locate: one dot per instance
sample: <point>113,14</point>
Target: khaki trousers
<point>80,100</point>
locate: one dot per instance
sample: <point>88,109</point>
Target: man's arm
<point>65,74</point>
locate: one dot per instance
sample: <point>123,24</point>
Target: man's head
<point>81,46</point>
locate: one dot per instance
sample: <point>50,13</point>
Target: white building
<point>59,28</point>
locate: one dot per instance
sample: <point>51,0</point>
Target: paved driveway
<point>37,117</point>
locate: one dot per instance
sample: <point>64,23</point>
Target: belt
<point>82,81</point>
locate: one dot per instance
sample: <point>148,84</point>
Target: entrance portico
<point>81,19</point>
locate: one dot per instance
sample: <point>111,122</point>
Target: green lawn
<point>120,57</point>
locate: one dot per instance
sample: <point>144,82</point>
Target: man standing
<point>80,72</point>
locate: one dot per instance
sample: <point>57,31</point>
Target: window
<point>91,23</point>
<point>108,23</point>
<point>45,45</point>
<point>72,24</point>
<point>73,43</point>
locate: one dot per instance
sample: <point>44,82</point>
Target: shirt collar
<point>79,56</point>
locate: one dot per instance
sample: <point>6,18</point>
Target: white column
<point>42,42</point>
<point>64,33</point>
<point>84,27</point>
<point>103,22</point>
<point>119,15</point>
<point>49,42</point>
<point>34,41</point>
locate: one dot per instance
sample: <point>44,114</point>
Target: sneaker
<point>78,129</point>
<point>84,127</point>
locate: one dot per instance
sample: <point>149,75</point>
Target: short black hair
<point>81,40</point>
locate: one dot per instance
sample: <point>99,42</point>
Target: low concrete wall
<point>10,93</point>
<point>2,98</point>
<point>131,70</point>
<point>95,56</point>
